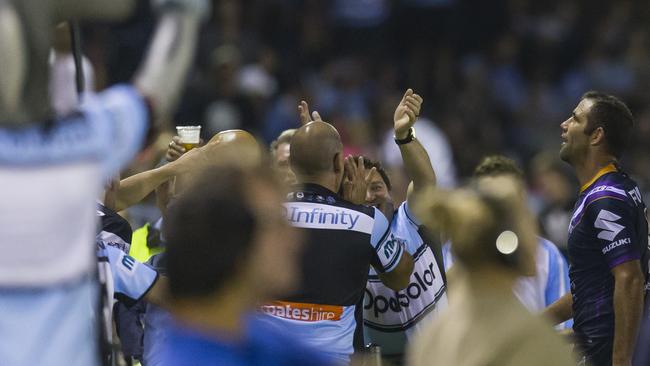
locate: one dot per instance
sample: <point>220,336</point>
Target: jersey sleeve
<point>120,120</point>
<point>614,230</point>
<point>388,250</point>
<point>407,217</point>
<point>131,279</point>
<point>557,283</point>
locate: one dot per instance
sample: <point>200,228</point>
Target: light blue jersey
<point>392,317</point>
<point>50,175</point>
<point>128,280</point>
<point>537,292</point>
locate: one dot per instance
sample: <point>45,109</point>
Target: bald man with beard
<point>343,239</point>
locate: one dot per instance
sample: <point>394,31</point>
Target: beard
<point>565,153</point>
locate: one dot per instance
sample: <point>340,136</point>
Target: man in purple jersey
<point>608,235</point>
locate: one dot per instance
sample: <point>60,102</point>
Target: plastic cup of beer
<point>189,136</point>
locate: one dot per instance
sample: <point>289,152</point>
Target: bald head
<point>314,148</point>
<point>232,147</point>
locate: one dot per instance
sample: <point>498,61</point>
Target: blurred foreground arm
<point>136,187</point>
<point>161,76</point>
<point>91,9</point>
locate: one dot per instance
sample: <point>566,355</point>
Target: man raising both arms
<point>608,235</point>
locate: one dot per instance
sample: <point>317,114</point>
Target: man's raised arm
<point>161,76</point>
<point>416,160</point>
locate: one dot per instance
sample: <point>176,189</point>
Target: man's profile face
<point>281,163</point>
<point>575,141</point>
<point>377,193</point>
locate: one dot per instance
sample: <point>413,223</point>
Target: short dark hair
<point>209,231</point>
<point>370,163</point>
<point>494,165</point>
<point>613,116</point>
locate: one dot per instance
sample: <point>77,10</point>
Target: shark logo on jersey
<point>606,221</point>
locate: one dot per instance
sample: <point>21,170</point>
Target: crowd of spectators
<point>498,76</point>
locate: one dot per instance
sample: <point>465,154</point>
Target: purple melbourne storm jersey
<point>608,228</point>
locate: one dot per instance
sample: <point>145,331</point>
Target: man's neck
<point>222,313</point>
<point>588,169</point>
<point>326,181</point>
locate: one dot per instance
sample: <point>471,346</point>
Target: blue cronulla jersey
<point>342,241</point>
<point>50,176</point>
<point>608,228</point>
<point>392,317</point>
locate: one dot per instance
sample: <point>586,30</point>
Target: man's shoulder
<point>616,189</point>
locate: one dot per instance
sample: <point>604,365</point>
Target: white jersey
<point>391,317</point>
<point>50,176</point>
<point>549,284</point>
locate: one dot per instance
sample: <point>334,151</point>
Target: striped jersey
<point>342,241</point>
<point>392,317</point>
<point>608,228</point>
<point>50,176</point>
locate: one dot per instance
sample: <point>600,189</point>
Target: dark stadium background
<point>497,76</point>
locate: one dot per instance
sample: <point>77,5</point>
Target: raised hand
<point>356,180</point>
<point>175,149</point>
<point>406,113</point>
<point>303,111</point>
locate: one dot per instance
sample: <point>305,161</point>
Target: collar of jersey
<point>607,169</point>
<point>314,188</point>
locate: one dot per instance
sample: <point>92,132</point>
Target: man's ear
<point>597,136</point>
<point>338,163</point>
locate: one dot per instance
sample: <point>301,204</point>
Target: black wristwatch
<point>407,139</point>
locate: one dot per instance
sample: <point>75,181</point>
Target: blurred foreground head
<point>489,224</point>
<point>237,146</point>
<point>232,147</point>
<point>26,30</point>
<point>227,235</point>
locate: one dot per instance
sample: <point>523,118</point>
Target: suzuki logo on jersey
<point>606,221</point>
<point>616,244</point>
